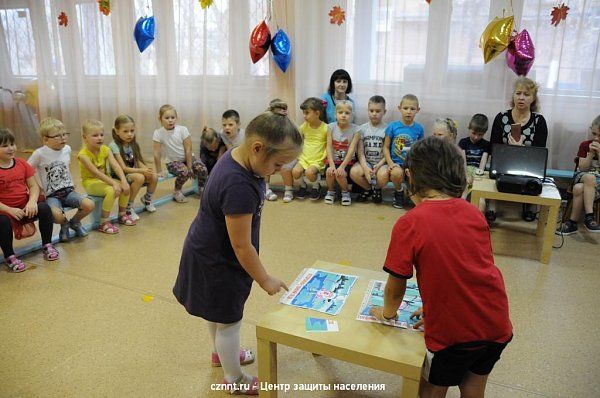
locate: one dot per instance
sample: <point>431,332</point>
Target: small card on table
<point>321,325</point>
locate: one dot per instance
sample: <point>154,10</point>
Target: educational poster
<point>319,290</point>
<point>374,297</point>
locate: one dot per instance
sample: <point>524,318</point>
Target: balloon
<point>521,53</point>
<point>281,47</point>
<point>144,32</point>
<point>260,40</point>
<point>495,37</point>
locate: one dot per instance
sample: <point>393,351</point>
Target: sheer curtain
<point>199,61</point>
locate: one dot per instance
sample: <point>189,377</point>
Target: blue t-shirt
<point>212,283</point>
<point>403,137</point>
<point>331,107</point>
<point>474,152</point>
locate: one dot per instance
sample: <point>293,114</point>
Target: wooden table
<point>377,346</point>
<point>549,200</point>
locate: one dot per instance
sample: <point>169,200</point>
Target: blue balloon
<point>144,32</point>
<point>281,47</point>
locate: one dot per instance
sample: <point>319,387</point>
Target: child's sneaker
<point>330,197</point>
<point>590,223</point>
<point>148,204</point>
<point>132,213</point>
<point>63,235</point>
<point>179,197</point>
<point>270,195</point>
<point>246,357</point>
<point>364,196</point>
<point>14,264</point>
<point>568,228</point>
<point>346,200</point>
<point>78,228</point>
<point>245,385</point>
<point>288,196</point>
<point>302,193</point>
<point>377,196</point>
<point>315,194</point>
<point>50,253</point>
<point>398,199</point>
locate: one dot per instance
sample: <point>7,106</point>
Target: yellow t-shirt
<point>100,161</point>
<point>315,143</point>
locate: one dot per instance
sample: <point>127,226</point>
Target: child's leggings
<point>97,187</point>
<point>182,173</point>
<point>45,222</point>
<point>226,341</point>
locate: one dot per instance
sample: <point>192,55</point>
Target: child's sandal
<point>126,219</point>
<point>50,253</point>
<point>108,228</point>
<point>238,387</point>
<point>246,357</point>
<point>14,264</point>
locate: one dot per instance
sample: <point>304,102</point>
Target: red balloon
<point>260,40</point>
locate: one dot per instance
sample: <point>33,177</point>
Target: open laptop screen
<point>529,161</point>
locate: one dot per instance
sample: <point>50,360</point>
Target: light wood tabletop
<point>377,346</point>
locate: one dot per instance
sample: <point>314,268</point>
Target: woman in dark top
<point>534,131</point>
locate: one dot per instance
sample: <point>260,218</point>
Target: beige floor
<point>79,327</point>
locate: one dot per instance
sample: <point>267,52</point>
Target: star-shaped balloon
<point>495,37</point>
<point>143,32</point>
<point>559,14</point>
<point>104,6</point>
<point>63,20</point>
<point>338,15</point>
<point>205,4</point>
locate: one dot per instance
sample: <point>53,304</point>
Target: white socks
<point>226,340</point>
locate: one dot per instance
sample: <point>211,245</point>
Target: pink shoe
<point>126,219</point>
<point>50,253</point>
<point>246,357</point>
<point>14,264</point>
<point>246,385</point>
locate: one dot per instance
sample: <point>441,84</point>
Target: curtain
<point>199,61</point>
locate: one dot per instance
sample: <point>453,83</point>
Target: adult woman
<point>534,131</point>
<point>340,85</point>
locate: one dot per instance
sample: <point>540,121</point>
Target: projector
<point>521,185</point>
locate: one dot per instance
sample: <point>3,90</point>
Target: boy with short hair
<point>51,162</point>
<point>475,147</point>
<point>400,135</point>
<point>232,134</point>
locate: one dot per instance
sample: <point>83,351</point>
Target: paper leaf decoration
<point>104,6</point>
<point>428,1</point>
<point>559,14</point>
<point>63,20</point>
<point>338,15</point>
<point>205,4</point>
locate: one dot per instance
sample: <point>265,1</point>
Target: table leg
<point>475,196</point>
<point>267,366</point>
<point>410,388</point>
<point>541,225</point>
<point>549,234</point>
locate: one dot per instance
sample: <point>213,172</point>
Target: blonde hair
<point>91,124</point>
<point>528,85</point>
<point>450,125</point>
<point>165,108</point>
<point>344,104</point>
<point>48,125</point>
<point>409,97</point>
<point>209,135</point>
<point>595,122</point>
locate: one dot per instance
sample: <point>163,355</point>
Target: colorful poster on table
<point>319,290</point>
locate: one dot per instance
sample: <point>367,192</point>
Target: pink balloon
<point>521,53</point>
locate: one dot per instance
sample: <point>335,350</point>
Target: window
<point>16,24</point>
<point>58,66</point>
<point>258,12</point>
<point>202,37</point>
<point>96,39</point>
<point>469,19</point>
<point>148,67</point>
<point>564,54</point>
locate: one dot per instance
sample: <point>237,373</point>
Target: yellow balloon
<point>496,36</point>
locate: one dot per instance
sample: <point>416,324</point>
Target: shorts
<point>320,166</point>
<point>66,197</point>
<point>579,175</point>
<point>449,366</point>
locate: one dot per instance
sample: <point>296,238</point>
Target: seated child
<point>129,156</point>
<point>586,183</point>
<point>280,107</point>
<point>51,162</point>
<point>19,206</point>
<point>232,135</point>
<point>445,128</point>
<point>311,162</point>
<point>465,307</point>
<point>94,160</point>
<point>342,138</point>
<point>211,148</point>
<point>476,150</point>
<point>371,172</point>
<point>177,143</point>
<point>399,136</point>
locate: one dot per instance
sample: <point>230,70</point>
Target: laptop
<point>525,161</point>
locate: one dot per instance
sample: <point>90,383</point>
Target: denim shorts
<point>579,175</point>
<point>72,199</point>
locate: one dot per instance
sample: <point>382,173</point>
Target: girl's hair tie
<point>324,103</point>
